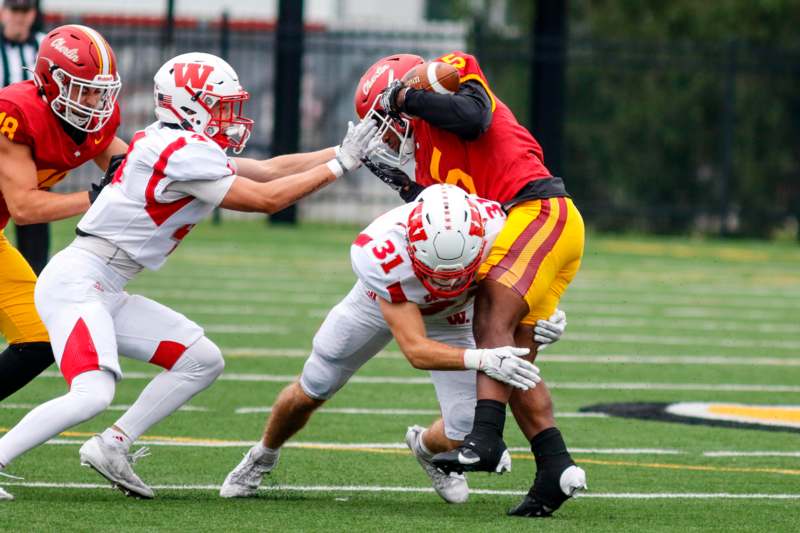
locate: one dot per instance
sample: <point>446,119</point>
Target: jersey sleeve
<point>364,256</point>
<point>468,70</point>
<point>200,159</point>
<point>13,124</point>
<point>209,191</point>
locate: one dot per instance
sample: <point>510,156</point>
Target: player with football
<point>471,139</point>
<point>67,115</point>
<point>175,173</point>
<point>415,267</point>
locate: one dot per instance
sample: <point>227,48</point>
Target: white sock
<point>426,453</point>
<point>116,438</point>
<point>90,394</point>
<point>196,369</point>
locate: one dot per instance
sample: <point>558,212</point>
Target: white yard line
<point>546,357</point>
<point>426,490</point>
<point>724,453</point>
<point>612,338</point>
<point>391,412</point>
<point>399,380</point>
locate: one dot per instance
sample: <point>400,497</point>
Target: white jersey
<point>170,180</point>
<point>380,259</point>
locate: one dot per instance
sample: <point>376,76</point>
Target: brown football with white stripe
<point>433,76</point>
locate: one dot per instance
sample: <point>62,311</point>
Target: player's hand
<point>113,165</point>
<point>548,331</point>
<point>504,364</point>
<point>359,143</point>
<point>389,101</point>
<point>395,178</point>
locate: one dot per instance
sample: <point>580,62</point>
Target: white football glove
<point>504,364</point>
<point>359,142</point>
<point>549,331</point>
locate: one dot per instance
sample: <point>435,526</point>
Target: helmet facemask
<point>397,134</point>
<point>87,105</point>
<point>227,125</point>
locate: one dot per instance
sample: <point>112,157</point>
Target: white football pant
<point>355,331</point>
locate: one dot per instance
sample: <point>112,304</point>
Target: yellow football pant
<point>19,321</point>
<point>537,253</point>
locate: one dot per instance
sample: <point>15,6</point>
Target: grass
<point>261,292</point>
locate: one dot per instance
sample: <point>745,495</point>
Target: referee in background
<point>19,44</point>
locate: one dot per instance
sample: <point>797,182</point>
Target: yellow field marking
<point>771,414</point>
<point>684,251</point>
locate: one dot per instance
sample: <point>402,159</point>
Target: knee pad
<point>320,379</point>
<point>93,391</point>
<point>203,360</point>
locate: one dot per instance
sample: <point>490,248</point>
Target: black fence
<point>671,137</point>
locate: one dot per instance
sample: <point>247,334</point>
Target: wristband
<point>336,167</point>
<point>472,359</point>
<point>337,150</point>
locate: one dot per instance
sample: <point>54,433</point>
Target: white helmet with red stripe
<point>76,73</point>
<point>201,92</point>
<point>445,240</point>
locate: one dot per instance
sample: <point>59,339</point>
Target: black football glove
<point>113,165</point>
<point>396,179</point>
<point>389,99</point>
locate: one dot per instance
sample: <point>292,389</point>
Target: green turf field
<point>650,320</point>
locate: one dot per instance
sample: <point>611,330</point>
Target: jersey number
<point>381,252</point>
<point>455,176</point>
<point>8,125</point>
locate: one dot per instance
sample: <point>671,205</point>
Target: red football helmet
<point>397,136</point>
<point>76,72</point>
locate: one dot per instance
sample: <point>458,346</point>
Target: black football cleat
<point>549,491</point>
<point>474,456</point>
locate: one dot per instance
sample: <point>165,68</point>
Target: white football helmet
<point>445,240</point>
<point>201,92</point>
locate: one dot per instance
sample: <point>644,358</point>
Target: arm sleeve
<point>467,113</point>
<point>209,191</point>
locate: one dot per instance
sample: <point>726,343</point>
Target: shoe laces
<point>144,451</point>
<point>9,476</point>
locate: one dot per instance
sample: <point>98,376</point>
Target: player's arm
<point>282,165</point>
<point>405,321</point>
<point>117,146</point>
<point>272,196</point>
<point>466,113</point>
<point>20,188</point>
<point>503,364</point>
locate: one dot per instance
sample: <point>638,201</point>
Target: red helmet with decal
<point>76,72</point>
<point>396,134</point>
<point>446,239</point>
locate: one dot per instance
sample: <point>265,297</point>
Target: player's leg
<point>28,352</point>
<point>557,476</point>
<point>82,335</point>
<point>539,240</point>
<point>352,333</point>
<point>149,331</point>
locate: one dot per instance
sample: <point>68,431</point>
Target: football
<point>433,76</point>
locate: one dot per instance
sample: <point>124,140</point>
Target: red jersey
<point>496,165</point>
<point>26,118</point>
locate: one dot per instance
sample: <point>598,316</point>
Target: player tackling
<point>175,172</point>
<point>471,139</point>
<point>415,266</point>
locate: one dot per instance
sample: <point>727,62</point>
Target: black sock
<point>20,363</point>
<point>550,450</point>
<point>490,419</point>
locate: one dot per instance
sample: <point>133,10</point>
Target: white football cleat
<point>5,495</point>
<point>114,464</point>
<point>243,481</point>
<point>451,488</point>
